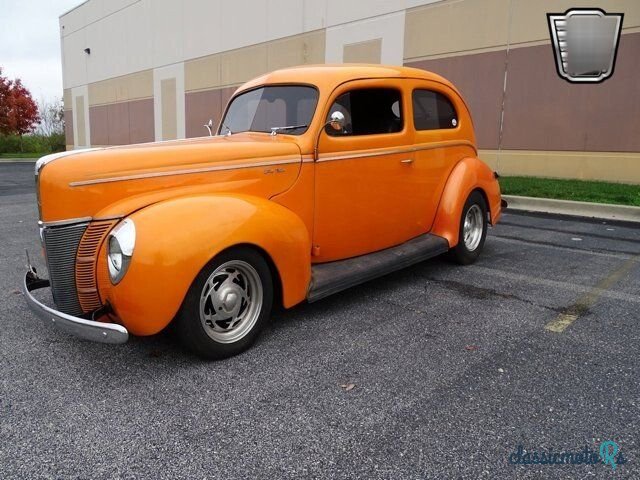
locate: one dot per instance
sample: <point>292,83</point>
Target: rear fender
<point>176,238</point>
<point>468,175</point>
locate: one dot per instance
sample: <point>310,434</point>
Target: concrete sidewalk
<point>579,209</point>
<point>18,160</point>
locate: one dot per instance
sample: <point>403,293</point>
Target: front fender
<point>468,175</point>
<point>176,238</point>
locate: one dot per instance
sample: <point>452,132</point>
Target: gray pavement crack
<point>481,293</point>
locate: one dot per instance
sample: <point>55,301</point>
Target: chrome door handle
<point>408,160</point>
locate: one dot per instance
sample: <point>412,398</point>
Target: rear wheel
<point>227,305</point>
<point>473,230</point>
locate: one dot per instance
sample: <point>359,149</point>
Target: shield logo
<point>585,43</point>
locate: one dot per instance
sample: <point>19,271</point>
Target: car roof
<point>328,76</point>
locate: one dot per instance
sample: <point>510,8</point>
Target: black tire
<point>461,254</point>
<point>192,330</point>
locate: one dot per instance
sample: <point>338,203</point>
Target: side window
<point>369,111</point>
<point>433,111</point>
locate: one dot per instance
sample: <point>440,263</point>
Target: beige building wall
<point>158,70</point>
<point>369,51</point>
<point>528,120</point>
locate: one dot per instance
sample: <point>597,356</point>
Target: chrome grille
<point>61,246</point>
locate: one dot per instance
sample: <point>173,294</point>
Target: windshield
<point>288,108</point>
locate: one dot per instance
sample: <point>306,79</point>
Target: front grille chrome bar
<point>61,247</point>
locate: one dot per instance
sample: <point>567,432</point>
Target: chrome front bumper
<point>80,327</point>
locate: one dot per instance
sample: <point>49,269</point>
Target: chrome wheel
<point>473,227</point>
<point>231,301</point>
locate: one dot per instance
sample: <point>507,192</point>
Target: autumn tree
<point>18,111</point>
<point>24,112</point>
<point>5,103</point>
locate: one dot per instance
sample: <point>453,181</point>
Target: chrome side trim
<point>42,161</point>
<point>71,221</point>
<point>385,151</point>
<point>284,161</point>
<point>217,168</point>
<point>60,223</point>
<point>111,333</point>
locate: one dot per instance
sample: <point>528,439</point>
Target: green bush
<point>9,144</point>
<point>36,144</point>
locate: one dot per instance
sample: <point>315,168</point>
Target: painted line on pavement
<point>589,299</point>
<point>533,243</point>
<point>555,284</point>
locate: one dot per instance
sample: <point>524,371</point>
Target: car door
<point>440,126</point>
<point>368,191</point>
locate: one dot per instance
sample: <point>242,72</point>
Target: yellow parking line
<point>588,300</point>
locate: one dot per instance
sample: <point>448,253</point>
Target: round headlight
<point>122,241</point>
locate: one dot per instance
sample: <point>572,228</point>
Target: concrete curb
<point>579,209</point>
<point>18,160</point>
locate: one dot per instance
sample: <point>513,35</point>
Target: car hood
<point>89,183</point>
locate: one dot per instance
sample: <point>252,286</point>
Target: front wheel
<point>473,230</point>
<point>227,305</point>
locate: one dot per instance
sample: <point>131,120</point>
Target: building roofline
<point>72,9</point>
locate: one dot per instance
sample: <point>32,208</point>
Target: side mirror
<point>209,127</point>
<point>336,120</point>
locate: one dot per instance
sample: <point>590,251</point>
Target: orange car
<point>320,178</point>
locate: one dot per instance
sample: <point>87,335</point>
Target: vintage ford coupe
<point>319,178</point>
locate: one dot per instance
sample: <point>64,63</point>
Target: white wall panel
<point>138,37</point>
<point>315,14</point>
<point>120,43</point>
<point>418,3</point>
<point>284,18</point>
<point>92,11</point>
<point>127,36</point>
<point>341,11</point>
<point>167,30</point>
<point>72,21</point>
<point>204,32</point>
<point>390,28</point>
<point>75,68</point>
<point>240,28</point>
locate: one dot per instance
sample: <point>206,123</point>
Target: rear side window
<point>369,111</point>
<point>433,111</point>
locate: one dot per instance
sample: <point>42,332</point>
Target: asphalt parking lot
<point>453,368</point>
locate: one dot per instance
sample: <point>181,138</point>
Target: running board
<point>333,277</point>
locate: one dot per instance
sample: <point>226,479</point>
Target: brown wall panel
<point>99,121</point>
<point>122,123</point>
<point>480,79</point>
<point>202,106</point>
<point>68,127</point>
<point>118,124</point>
<point>141,121</point>
<point>199,108</point>
<point>545,112</point>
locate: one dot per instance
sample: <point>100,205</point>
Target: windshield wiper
<point>275,130</point>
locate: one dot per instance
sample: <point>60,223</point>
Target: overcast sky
<point>30,44</point>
